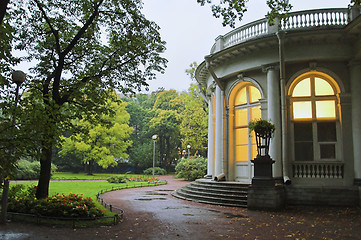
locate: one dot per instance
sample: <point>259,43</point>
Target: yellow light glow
<point>241,97</point>
<point>302,89</point>
<point>325,109</point>
<point>323,88</point>
<point>242,153</point>
<point>255,113</point>
<point>241,117</point>
<point>241,136</point>
<point>254,94</point>
<point>302,110</point>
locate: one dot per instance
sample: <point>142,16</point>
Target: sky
<point>190,31</point>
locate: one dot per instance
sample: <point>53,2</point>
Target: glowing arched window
<point>313,103</point>
<point>247,108</point>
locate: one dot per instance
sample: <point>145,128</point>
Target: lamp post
<point>184,153</point>
<point>189,147</point>
<point>18,77</point>
<point>154,137</point>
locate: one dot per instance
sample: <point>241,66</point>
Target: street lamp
<point>18,77</point>
<point>189,147</point>
<point>154,137</point>
<point>184,153</point>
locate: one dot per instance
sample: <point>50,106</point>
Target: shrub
<point>157,171</point>
<point>191,168</point>
<point>71,205</point>
<point>27,170</point>
<point>117,179</point>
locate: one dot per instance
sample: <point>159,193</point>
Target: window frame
<point>314,120</point>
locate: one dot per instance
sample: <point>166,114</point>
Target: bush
<point>117,179</point>
<point>191,168</point>
<point>157,171</point>
<point>27,170</point>
<point>22,200</point>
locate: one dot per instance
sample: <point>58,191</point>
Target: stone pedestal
<point>266,198</point>
<point>263,171</point>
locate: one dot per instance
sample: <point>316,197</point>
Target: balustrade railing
<point>316,18</point>
<point>326,18</point>
<point>318,170</point>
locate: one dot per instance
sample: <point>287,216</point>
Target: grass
<point>85,176</point>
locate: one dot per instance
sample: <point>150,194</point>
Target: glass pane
<point>302,89</point>
<point>326,131</point>
<point>241,136</point>
<point>242,153</point>
<point>325,109</point>
<point>323,88</point>
<point>255,113</point>
<point>241,117</point>
<point>328,151</point>
<point>303,131</point>
<point>254,151</point>
<point>254,94</point>
<point>241,97</point>
<point>303,151</point>
<point>302,110</point>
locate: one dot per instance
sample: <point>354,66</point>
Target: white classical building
<point>305,76</point>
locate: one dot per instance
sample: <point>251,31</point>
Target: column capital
<point>266,68</point>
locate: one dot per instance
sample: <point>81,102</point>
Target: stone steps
<point>233,194</point>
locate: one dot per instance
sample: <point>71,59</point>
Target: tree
<point>166,125</point>
<point>194,121</point>
<point>102,144</point>
<point>82,49</point>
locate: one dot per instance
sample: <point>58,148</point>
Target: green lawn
<point>84,176</point>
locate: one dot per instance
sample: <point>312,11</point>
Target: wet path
<point>153,213</point>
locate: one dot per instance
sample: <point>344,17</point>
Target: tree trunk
<point>45,170</point>
<point>3,6</point>
<point>91,163</point>
<point>4,202</point>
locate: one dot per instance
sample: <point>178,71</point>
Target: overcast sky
<point>190,31</point>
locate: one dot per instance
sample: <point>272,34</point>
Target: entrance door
<point>246,108</point>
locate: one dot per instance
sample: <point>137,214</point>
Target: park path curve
<point>153,213</point>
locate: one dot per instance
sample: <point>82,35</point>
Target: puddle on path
<point>155,193</point>
<point>231,215</point>
<point>150,199</point>
<point>13,236</point>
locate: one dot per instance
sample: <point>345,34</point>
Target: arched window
<point>314,117</point>
<point>246,108</point>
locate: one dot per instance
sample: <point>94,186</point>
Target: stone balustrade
<point>333,170</point>
<point>303,20</point>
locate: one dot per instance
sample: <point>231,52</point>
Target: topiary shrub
<point>157,171</point>
<point>27,170</point>
<point>191,168</point>
<point>117,179</point>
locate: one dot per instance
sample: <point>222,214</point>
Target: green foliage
<point>230,10</point>
<point>101,143</point>
<point>157,171</point>
<point>117,179</point>
<point>27,170</point>
<point>191,168</point>
<point>262,127</point>
<point>60,205</point>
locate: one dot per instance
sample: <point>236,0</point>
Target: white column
<point>274,114</point>
<point>355,72</point>
<point>210,167</point>
<point>218,168</point>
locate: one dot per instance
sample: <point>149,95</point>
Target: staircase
<point>232,194</point>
